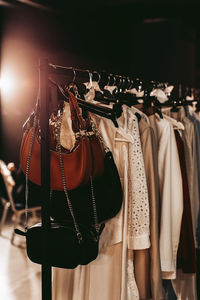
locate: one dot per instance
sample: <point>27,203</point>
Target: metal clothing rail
<point>121,81</point>
<point>102,77</point>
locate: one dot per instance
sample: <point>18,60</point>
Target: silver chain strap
<point>94,206</point>
<point>27,169</point>
<point>67,196</point>
<point>62,170</point>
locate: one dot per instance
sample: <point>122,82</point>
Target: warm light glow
<point>7,83</point>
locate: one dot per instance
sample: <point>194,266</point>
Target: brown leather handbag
<point>84,160</point>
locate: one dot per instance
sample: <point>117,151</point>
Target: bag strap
<point>75,109</point>
<point>77,120</point>
<point>87,126</point>
<point>28,168</point>
<point>78,233</point>
<point>78,123</point>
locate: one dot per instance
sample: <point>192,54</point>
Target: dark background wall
<point>150,40</point>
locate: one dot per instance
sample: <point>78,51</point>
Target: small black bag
<point>66,249</point>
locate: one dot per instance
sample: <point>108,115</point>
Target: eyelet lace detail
<point>138,203</point>
<point>132,289</point>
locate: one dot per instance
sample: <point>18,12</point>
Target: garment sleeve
<point>138,202</point>
<point>171,192</point>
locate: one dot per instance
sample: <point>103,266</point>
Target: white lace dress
<point>111,275</point>
<point>138,203</point>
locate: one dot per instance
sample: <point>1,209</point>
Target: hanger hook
<point>116,77</point>
<point>140,85</point>
<point>131,84</point>
<point>114,80</point>
<point>90,78</point>
<point>99,76</point>
<point>74,75</point>
<point>128,83</point>
<point>108,82</point>
<point>123,81</point>
<point>120,80</point>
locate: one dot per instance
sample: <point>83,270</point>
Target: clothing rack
<point>46,70</point>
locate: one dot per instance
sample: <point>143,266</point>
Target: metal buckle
<point>79,236</point>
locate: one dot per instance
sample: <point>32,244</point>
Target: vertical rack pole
<point>45,174</point>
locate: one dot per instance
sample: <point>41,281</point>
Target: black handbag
<point>107,192</point>
<point>65,248</point>
<point>108,195</point>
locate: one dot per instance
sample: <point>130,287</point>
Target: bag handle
<point>86,124</point>
<point>77,120</point>
<point>28,167</point>
<point>78,123</point>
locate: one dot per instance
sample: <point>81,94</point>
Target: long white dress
<point>170,183</point>
<point>111,275</point>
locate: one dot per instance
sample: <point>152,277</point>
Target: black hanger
<point>151,101</point>
<point>158,111</point>
<point>176,103</point>
<point>197,106</point>
<point>138,116</point>
<point>126,98</point>
<point>174,108</point>
<point>107,95</point>
<point>157,107</point>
